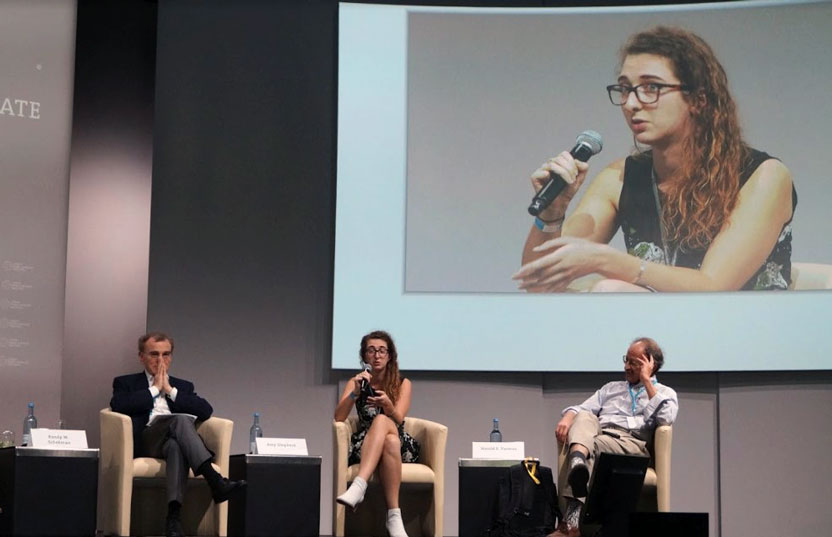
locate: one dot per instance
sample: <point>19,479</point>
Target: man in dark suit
<point>163,410</point>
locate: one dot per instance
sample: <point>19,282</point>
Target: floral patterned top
<point>638,213</point>
<point>366,414</point>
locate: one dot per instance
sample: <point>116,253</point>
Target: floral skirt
<point>410,447</point>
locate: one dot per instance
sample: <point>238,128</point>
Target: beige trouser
<point>586,431</point>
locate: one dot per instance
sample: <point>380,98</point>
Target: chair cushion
<point>155,468</point>
<point>411,473</point>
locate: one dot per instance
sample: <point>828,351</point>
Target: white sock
<point>395,526</point>
<point>354,494</point>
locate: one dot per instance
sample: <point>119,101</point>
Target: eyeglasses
<point>372,351</point>
<point>629,361</point>
<point>647,93</point>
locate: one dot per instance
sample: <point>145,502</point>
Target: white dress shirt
<point>160,403</point>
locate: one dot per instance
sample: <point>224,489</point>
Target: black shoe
<point>173,528</point>
<point>578,477</point>
<point>225,489</point>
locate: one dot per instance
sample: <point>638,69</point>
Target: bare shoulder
<point>618,165</point>
<point>607,184</point>
<point>772,177</point>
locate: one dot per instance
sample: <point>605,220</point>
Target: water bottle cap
<point>497,420</point>
<point>256,414</point>
<point>31,405</point>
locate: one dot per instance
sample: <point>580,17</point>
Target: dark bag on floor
<point>524,507</point>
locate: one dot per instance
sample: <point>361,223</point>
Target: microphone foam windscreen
<point>592,139</point>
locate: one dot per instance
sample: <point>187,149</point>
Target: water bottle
<point>29,423</point>
<point>496,435</point>
<point>254,433</point>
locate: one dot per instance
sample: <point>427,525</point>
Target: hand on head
<point>645,368</point>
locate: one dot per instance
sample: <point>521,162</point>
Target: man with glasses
<point>163,410</point>
<point>618,418</point>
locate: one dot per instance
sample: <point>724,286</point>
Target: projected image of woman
<point>700,210</point>
<point>382,399</point>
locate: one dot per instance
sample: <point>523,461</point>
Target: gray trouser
<point>587,431</point>
<point>174,438</point>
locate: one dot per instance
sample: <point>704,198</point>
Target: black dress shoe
<point>173,528</point>
<point>226,489</point>
<point>578,478</point>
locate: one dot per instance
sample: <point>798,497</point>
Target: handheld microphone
<point>588,143</point>
<point>367,368</point>
<point>365,385</point>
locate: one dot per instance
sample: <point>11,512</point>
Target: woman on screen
<point>381,398</point>
<point>700,210</point>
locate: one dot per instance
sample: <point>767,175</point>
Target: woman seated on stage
<point>382,399</point>
<point>700,210</point>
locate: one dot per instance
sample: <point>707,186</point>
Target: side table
<point>478,486</point>
<point>282,499</point>
<point>48,492</point>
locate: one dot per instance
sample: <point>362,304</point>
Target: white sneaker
<point>395,526</point>
<point>354,494</point>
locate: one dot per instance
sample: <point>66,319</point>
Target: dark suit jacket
<point>131,396</point>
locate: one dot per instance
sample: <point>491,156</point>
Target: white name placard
<point>498,450</point>
<point>59,439</point>
<point>282,446</point>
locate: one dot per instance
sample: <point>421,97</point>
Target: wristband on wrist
<point>637,280</point>
<point>551,226</point>
<point>352,395</point>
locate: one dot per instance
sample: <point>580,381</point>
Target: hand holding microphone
<point>564,172</point>
<point>362,380</point>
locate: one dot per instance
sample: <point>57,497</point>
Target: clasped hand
<point>161,380</point>
<point>568,258</point>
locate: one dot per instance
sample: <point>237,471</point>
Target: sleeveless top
<point>638,214</point>
<point>366,414</point>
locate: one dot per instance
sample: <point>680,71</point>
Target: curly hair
<point>392,379</point>
<point>704,191</point>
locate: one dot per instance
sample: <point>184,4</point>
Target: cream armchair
<point>655,494</point>
<point>128,485</point>
<point>808,276</point>
<point>423,484</point>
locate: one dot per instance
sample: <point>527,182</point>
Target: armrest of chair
<point>341,431</point>
<point>116,450</point>
<point>434,438</point>
<point>115,472</point>
<point>662,444</point>
<point>217,434</point>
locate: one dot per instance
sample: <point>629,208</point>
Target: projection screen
<point>443,113</point>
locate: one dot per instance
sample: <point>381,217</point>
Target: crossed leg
<point>382,450</point>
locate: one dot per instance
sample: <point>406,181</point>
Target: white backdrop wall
<point>36,69</point>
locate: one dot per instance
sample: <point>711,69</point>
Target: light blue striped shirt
<point>628,407</point>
